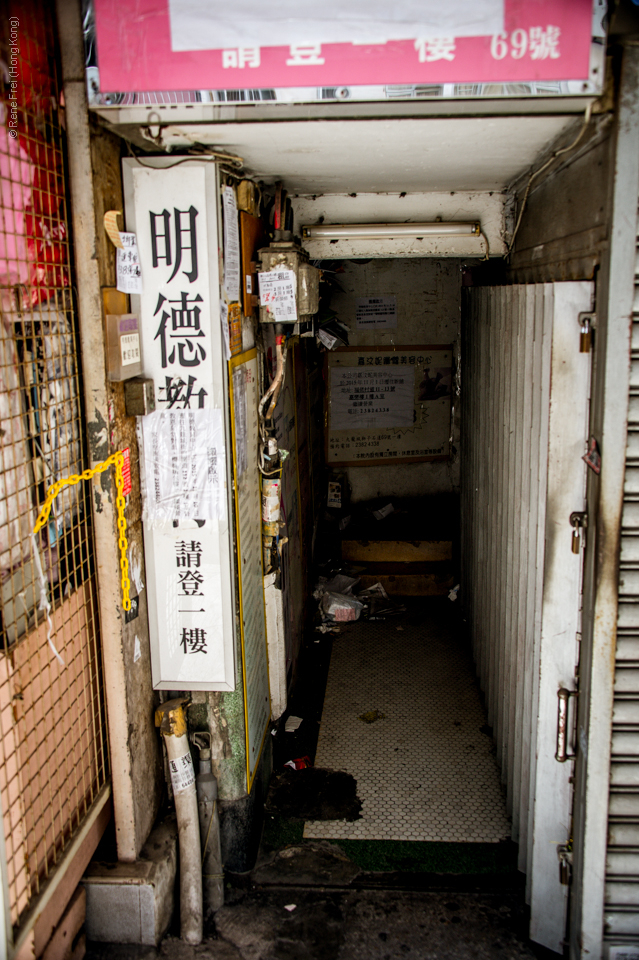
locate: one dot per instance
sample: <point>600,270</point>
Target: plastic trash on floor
<point>340,583</point>
<point>340,607</point>
<point>301,763</point>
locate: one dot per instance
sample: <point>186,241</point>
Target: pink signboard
<point>146,45</point>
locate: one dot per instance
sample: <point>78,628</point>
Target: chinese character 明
<point>544,43</point>
<point>305,55</point>
<point>193,640</point>
<point>185,327</point>
<point>189,583</point>
<point>178,393</point>
<point>244,57</point>
<point>435,48</point>
<point>188,554</point>
<point>185,240</point>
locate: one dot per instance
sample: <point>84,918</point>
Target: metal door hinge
<point>587,323</point>
<point>578,522</point>
<point>564,852</point>
<point>563,698</point>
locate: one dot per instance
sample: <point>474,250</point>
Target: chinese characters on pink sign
<point>145,46</point>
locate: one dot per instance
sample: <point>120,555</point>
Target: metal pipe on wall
<point>94,378</point>
<point>171,719</point>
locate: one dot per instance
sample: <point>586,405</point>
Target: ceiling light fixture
<point>388,231</point>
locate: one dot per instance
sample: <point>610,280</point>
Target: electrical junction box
<point>289,284</point>
<point>124,356</point>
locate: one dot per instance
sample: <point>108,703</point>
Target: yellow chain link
<point>116,458</point>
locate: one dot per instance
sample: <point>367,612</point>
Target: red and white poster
<point>146,45</point>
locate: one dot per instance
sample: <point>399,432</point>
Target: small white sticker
<point>130,348</point>
<point>376,312</point>
<point>249,283</point>
<point>182,773</point>
<point>129,275</point>
<point>137,650</point>
<point>626,952</point>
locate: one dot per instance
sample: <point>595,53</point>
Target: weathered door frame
<point>609,421</point>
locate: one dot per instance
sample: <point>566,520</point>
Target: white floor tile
<point>425,771</point>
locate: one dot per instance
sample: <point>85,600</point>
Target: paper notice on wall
<point>231,246</point>
<point>277,293</point>
<point>374,313</point>
<point>362,398</point>
<point>224,320</point>
<point>184,466</point>
<point>182,773</point>
<point>128,272</point>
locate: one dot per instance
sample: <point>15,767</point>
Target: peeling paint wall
<point>428,295</point>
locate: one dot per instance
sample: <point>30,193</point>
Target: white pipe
<point>171,719</point>
<point>387,231</point>
<point>87,280</point>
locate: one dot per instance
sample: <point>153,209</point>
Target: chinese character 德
<point>185,327</point>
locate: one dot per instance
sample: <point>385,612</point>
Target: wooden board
<point>401,551</point>
<point>252,237</point>
<point>410,584</point>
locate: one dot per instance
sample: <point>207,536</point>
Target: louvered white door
<point>525,407</point>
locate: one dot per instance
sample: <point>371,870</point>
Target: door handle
<point>563,698</point>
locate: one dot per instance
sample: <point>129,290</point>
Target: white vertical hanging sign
<point>173,211</point>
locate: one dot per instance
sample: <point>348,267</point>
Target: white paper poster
<point>375,313</point>
<point>184,466</point>
<point>128,270</point>
<point>231,246</point>
<point>277,293</point>
<point>381,398</point>
<point>388,404</point>
<point>211,24</point>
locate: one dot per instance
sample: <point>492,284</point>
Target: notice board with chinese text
<point>388,404</point>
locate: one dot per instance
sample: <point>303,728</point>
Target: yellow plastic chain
<point>116,458</point>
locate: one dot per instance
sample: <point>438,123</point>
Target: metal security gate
<point>53,748</point>
<point>524,433</point>
<point>622,864</point>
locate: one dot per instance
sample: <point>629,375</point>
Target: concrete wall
<point>428,295</point>
<point>564,231</point>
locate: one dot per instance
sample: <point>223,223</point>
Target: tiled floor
<point>425,771</point>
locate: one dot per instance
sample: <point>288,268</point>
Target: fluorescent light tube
<point>387,231</point>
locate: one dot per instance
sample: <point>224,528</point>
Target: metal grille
<point>622,865</point>
<point>53,751</point>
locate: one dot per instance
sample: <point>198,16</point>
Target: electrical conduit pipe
<point>206,786</point>
<point>170,717</point>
